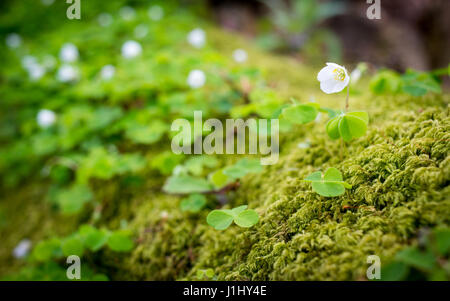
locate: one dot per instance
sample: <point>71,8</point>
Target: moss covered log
<point>399,172</point>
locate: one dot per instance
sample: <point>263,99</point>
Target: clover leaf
<point>242,168</point>
<point>348,126</point>
<point>301,113</point>
<point>222,219</point>
<point>72,246</point>
<point>208,273</point>
<point>71,200</point>
<point>186,184</point>
<point>329,184</point>
<point>94,239</point>
<point>219,179</point>
<point>193,203</point>
<point>120,241</point>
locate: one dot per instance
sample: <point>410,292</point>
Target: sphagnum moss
<point>399,171</point>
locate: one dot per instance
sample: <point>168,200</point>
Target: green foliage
<point>205,274</point>
<point>427,261</point>
<point>120,241</point>
<point>72,199</point>
<point>242,167</point>
<point>186,184</point>
<point>222,219</point>
<point>87,237</point>
<point>193,203</point>
<point>301,113</point>
<point>329,184</point>
<point>412,82</point>
<point>348,126</point>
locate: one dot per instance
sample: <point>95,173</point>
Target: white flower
<point>22,249</point>
<point>68,53</point>
<point>197,38</point>
<point>104,19</point>
<point>141,31</point>
<point>196,79</point>
<point>155,13</point>
<point>131,49</point>
<point>355,75</point>
<point>46,118</point>
<point>333,78</point>
<point>127,13</point>
<point>28,61</point>
<point>108,72</point>
<point>13,40</point>
<point>240,55</point>
<point>67,73</point>
<point>36,71</point>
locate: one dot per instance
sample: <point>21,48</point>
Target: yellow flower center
<point>339,74</point>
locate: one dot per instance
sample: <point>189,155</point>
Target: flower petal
<point>325,74</point>
<point>329,86</point>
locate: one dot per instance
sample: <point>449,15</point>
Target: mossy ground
<point>399,170</point>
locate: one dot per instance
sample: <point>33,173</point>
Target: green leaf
<point>416,258</point>
<point>443,240</point>
<point>193,203</point>
<point>219,219</point>
<point>246,218</point>
<point>394,271</point>
<point>242,168</point>
<point>348,126</point>
<point>120,241</point>
<point>72,246</point>
<point>147,134</point>
<point>301,114</point>
<point>333,128</point>
<point>219,179</point>
<point>209,273</point>
<point>47,249</point>
<point>329,184</point>
<point>71,200</point>
<point>344,129</point>
<point>237,210</point>
<point>186,184</point>
<point>356,126</point>
<point>93,238</point>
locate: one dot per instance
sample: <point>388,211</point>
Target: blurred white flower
<point>67,73</point>
<point>46,118</point>
<point>196,79</point>
<point>141,31</point>
<point>47,2</point>
<point>333,78</point>
<point>131,49</point>
<point>127,13</point>
<point>13,40</point>
<point>197,38</point>
<point>164,214</point>
<point>107,72</point>
<point>240,55</point>
<point>36,71</point>
<point>355,75</point>
<point>22,249</point>
<point>28,61</point>
<point>68,53</point>
<point>155,13</point>
<point>104,19</point>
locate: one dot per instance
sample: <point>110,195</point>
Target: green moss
<point>399,171</point>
